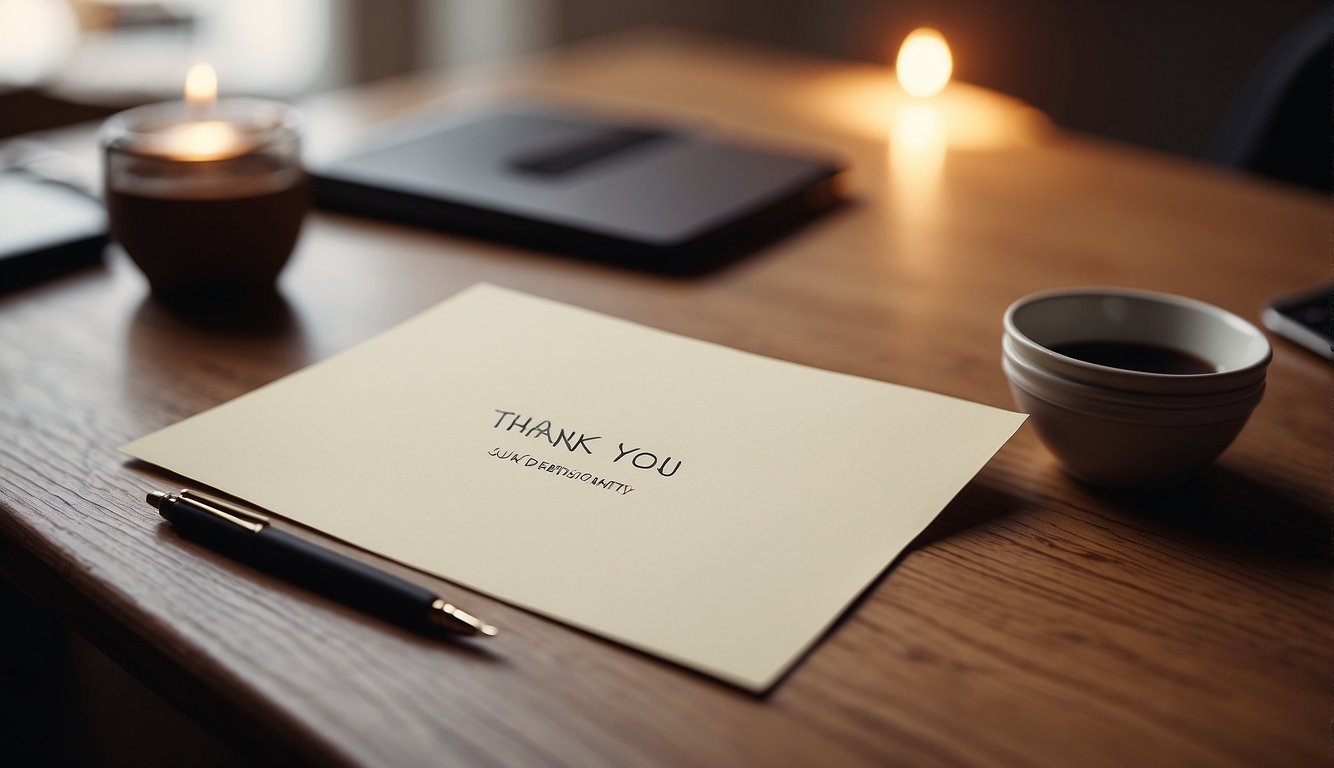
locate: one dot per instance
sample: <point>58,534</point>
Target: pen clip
<point>253,521</point>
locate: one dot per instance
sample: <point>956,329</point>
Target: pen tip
<point>453,619</point>
<point>155,498</point>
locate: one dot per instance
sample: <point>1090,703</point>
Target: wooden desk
<point>1038,622</point>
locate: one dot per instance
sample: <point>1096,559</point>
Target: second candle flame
<point>924,64</point>
<point>201,86</point>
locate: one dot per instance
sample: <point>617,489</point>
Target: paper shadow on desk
<point>641,196</point>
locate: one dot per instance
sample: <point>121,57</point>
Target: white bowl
<point>1126,428</point>
<point>1044,320</point>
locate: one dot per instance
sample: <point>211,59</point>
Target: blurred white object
<point>259,47</point>
<point>36,39</point>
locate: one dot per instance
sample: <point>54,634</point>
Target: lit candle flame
<point>201,137</point>
<point>201,86</point>
<point>924,64</point>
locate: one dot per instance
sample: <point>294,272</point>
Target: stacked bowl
<point>1132,388</point>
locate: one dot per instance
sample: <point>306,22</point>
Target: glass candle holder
<point>207,201</point>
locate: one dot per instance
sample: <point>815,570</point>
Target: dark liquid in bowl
<point>1149,358</point>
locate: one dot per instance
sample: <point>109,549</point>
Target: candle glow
<point>924,64</point>
<point>208,140</point>
<point>202,139</point>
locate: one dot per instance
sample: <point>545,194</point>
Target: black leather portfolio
<point>646,196</point>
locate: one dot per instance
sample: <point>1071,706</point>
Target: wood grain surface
<point>1037,622</point>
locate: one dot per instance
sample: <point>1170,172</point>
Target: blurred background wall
<point>1159,74</point>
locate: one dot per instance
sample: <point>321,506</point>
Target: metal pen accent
<point>249,537</point>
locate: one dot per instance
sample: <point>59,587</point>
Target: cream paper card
<point>713,507</point>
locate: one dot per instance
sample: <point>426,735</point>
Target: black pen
<point>249,537</point>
